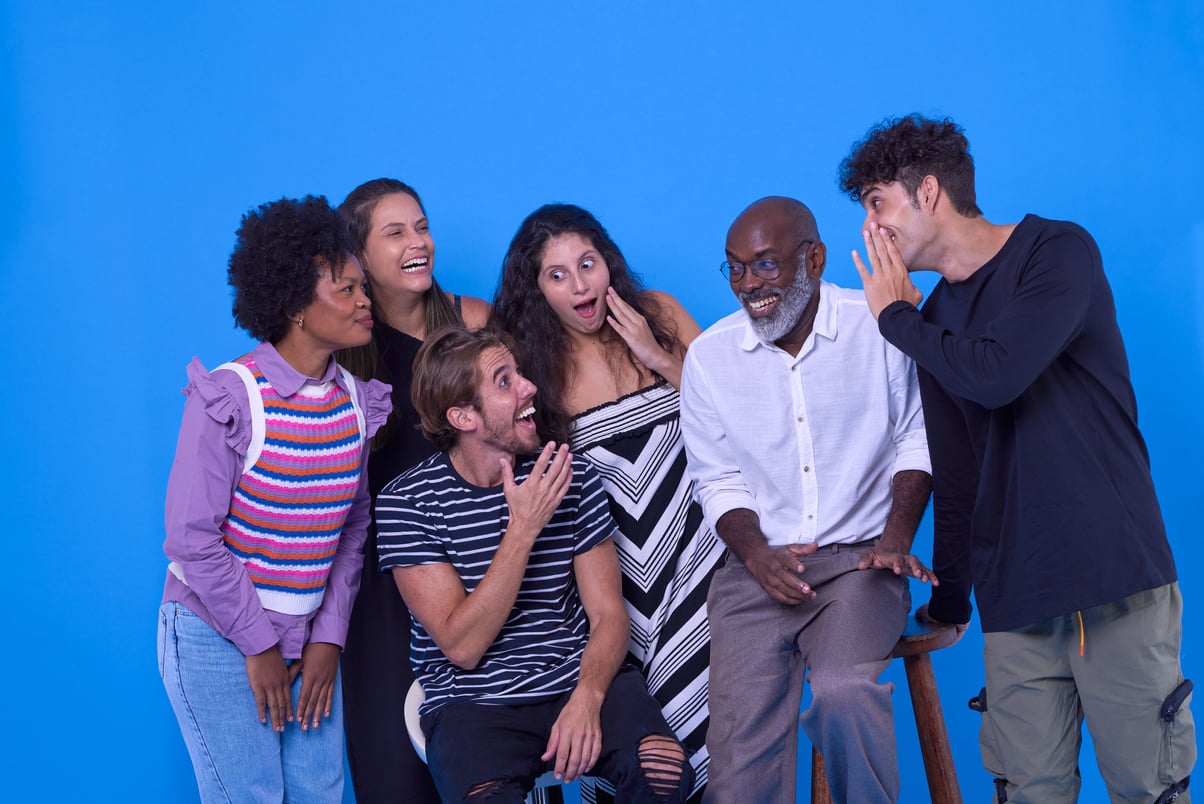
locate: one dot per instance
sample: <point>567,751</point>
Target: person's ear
<point>817,259</point>
<point>462,418</point>
<point>928,193</point>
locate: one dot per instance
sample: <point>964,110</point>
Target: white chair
<point>414,699</point>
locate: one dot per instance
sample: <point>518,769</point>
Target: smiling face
<point>398,250</point>
<point>776,307</point>
<point>574,278</point>
<point>340,315</point>
<point>902,219</point>
<point>504,409</point>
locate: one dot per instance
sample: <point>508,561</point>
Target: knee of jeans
<point>666,772</point>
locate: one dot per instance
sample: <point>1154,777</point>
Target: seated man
<point>806,443</point>
<point>506,562</point>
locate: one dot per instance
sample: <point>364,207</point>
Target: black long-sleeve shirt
<point>1043,500</point>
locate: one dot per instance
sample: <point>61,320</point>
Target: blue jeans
<point>235,757</point>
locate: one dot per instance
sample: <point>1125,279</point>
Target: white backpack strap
<point>255,405</point>
<point>349,381</point>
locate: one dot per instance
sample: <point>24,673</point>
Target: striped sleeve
<point>406,531</point>
<point>594,523</point>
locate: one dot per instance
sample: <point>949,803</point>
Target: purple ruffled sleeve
<point>214,435</point>
<point>224,403</point>
<point>377,402</point>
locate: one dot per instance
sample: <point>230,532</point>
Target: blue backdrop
<point>134,135</point>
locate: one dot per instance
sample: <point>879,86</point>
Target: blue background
<point>132,137</point>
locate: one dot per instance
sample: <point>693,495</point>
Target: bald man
<point>806,442</point>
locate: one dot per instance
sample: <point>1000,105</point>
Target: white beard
<point>793,300</point>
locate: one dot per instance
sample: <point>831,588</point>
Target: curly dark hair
<point>447,374</point>
<point>906,149</point>
<point>365,361</point>
<point>281,251</point>
<point>519,307</point>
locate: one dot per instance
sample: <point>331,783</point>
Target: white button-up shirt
<point>810,443</point>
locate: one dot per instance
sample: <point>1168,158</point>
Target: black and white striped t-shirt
<point>431,515</point>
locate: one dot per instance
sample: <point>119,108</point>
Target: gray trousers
<point>761,651</point>
<point>1040,690</point>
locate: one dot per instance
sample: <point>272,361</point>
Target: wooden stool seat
<point>918,640</point>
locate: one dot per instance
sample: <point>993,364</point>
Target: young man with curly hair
<point>1044,503</point>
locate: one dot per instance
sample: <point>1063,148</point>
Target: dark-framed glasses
<point>766,269</point>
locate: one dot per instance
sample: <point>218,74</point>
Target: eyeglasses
<point>766,269</point>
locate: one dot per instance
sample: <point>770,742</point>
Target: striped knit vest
<point>298,483</point>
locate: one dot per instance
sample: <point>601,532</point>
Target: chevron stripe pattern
<point>666,551</point>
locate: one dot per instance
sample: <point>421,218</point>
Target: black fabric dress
<point>376,663</point>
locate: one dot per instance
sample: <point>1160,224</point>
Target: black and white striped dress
<point>666,551</point>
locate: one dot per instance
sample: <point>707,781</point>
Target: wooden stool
<point>918,640</point>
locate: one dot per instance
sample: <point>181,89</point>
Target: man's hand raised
<point>889,280</point>
<point>533,501</point>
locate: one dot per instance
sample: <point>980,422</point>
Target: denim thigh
<point>235,757</point>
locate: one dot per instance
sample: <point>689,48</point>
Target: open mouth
<point>587,309</point>
<point>415,265</point>
<point>526,417</point>
<point>762,304</point>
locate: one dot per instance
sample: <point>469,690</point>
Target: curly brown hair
<point>906,149</point>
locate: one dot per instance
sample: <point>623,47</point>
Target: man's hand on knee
<point>779,571</point>
<point>575,741</point>
<point>898,563</point>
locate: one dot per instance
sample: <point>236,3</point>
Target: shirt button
<point>806,468</point>
<point>809,516</point>
<point>801,418</point>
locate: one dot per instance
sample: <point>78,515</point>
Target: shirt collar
<point>285,379</point>
<point>825,323</point>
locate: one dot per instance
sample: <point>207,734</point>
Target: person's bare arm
<point>779,570</point>
<point>910,491</point>
<point>474,311</point>
<point>576,737</point>
<point>465,625</point>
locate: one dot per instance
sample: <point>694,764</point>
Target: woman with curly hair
<point>392,238</point>
<point>266,515</point>
<point>606,356</point>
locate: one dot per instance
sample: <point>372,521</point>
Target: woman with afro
<point>267,509</point>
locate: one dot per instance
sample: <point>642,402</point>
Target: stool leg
<point>930,726</point>
<point>819,780</point>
